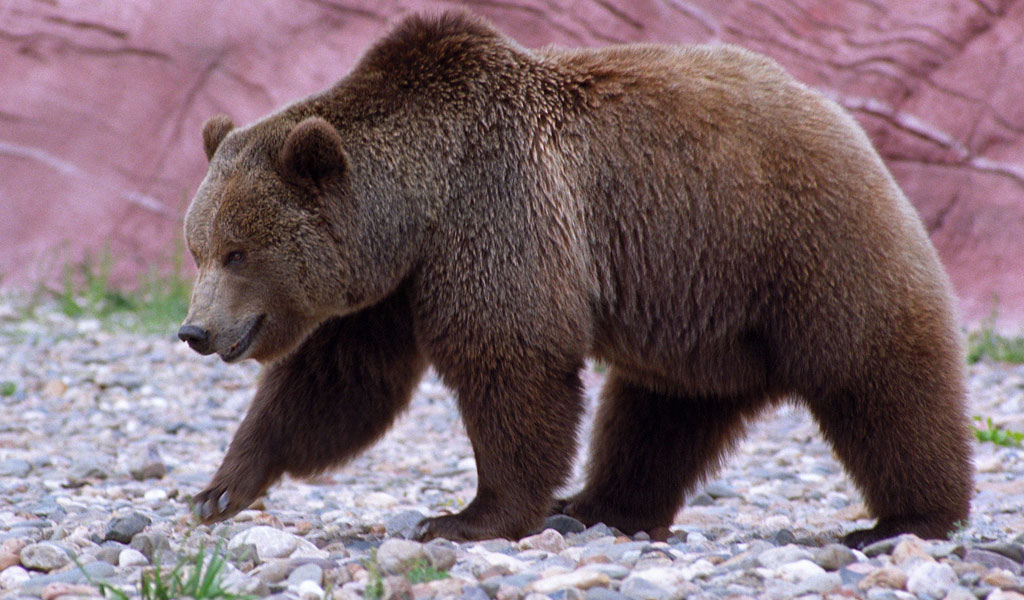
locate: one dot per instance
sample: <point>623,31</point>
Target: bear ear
<point>313,150</point>
<point>214,131</point>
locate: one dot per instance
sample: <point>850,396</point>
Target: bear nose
<point>196,337</point>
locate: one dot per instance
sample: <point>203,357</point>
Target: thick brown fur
<point>723,237</point>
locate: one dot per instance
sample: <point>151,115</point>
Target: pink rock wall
<point>101,104</point>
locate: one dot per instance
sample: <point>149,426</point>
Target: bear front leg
<point>522,424</point>
<point>337,394</point>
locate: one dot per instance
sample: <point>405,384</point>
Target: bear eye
<point>233,258</point>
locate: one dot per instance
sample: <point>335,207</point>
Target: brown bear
<point>720,235</point>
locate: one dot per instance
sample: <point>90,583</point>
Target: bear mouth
<point>236,350</point>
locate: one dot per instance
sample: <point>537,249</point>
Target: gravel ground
<point>104,436</point>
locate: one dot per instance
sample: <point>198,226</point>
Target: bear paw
<point>936,527</point>
<point>463,528</point>
<point>220,501</point>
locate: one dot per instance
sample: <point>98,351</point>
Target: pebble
<point>129,557</point>
<point>307,572</point>
<point>13,577</point>
<point>123,529</point>
<point>395,556</point>
<point>110,433</point>
<point>992,560</point>
<point>15,467</point>
<point>582,579</point>
<point>404,524</point>
<point>439,555</point>
<point>148,466</point>
<point>548,540</point>
<point>777,557</point>
<point>44,556</point>
<point>68,591</point>
<point>834,557</point>
<point>269,542</point>
<point>930,579</point>
<point>564,524</point>
<point>10,552</point>
<point>891,578</point>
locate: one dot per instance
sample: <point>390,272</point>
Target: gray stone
<point>491,585</point>
<point>563,524</point>
<point>784,537</point>
<point>594,532</point>
<point>96,570</point>
<point>640,588</point>
<point>273,571</point>
<point>85,470</point>
<point>15,467</point>
<point>44,556</point>
<point>476,592</point>
<point>885,546</point>
<point>618,552</point>
<point>108,554</point>
<point>151,544</point>
<point>834,557</point>
<point>307,572</point>
<point>991,560</point>
<point>149,466</point>
<point>395,556</point>
<point>404,524</point>
<point>600,593</point>
<point>439,555</point>
<point>852,573</point>
<point>776,557</point>
<point>123,529</point>
<point>1014,552</point>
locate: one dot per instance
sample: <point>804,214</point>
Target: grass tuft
<point>421,571</point>
<point>199,577</point>
<point>987,344</point>
<point>157,302</point>
<point>996,434</point>
<point>375,585</point>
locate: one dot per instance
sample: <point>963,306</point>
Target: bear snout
<point>197,338</point>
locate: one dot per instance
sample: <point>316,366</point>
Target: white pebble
<point>696,537</point>
<point>130,557</point>
<point>774,558</point>
<point>155,495</point>
<point>309,590</point>
<point>930,579</point>
<point>799,571</point>
<point>269,542</point>
<point>13,577</point>
<point>700,568</point>
<point>378,500</point>
<point>581,579</point>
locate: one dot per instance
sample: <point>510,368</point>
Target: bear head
<point>266,232</point>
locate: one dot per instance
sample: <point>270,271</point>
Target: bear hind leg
<point>905,442</point>
<point>649,449</point>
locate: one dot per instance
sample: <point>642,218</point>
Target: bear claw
<point>211,506</point>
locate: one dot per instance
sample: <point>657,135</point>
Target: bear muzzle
<point>197,338</point>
